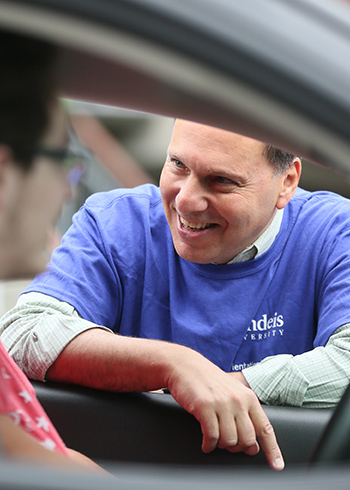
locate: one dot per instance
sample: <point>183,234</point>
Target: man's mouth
<point>189,225</point>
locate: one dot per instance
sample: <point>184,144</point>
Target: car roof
<point>274,70</point>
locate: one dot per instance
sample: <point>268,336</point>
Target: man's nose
<point>192,196</point>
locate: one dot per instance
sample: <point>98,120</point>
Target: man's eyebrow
<point>225,173</point>
<point>172,154</point>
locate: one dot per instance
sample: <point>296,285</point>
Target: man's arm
<point>24,331</point>
<point>315,379</point>
<point>229,413</point>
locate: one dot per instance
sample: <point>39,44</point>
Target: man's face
<point>219,192</point>
<point>33,205</point>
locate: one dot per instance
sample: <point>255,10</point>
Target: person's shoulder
<point>123,208</point>
<point>321,199</point>
<point>321,208</point>
<point>147,193</point>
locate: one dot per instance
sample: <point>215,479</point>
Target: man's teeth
<point>194,226</point>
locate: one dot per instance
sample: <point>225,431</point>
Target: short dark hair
<point>27,91</point>
<point>280,159</point>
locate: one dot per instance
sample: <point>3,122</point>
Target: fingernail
<point>279,464</point>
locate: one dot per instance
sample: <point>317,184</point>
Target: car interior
<point>243,66</point>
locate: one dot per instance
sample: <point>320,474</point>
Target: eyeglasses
<point>72,159</point>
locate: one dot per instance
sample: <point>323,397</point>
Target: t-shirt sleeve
<point>333,297</point>
<point>82,273</point>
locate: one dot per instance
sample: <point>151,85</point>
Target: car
<point>273,70</point>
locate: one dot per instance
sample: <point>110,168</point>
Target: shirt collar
<point>263,242</point>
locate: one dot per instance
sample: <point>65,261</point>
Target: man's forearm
<point>81,352</point>
<point>37,329</point>
<point>230,414</point>
<point>103,360</point>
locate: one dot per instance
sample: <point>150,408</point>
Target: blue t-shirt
<point>117,266</point>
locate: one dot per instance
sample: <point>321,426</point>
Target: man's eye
<point>178,164</point>
<point>223,180</point>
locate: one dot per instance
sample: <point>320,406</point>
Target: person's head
<point>32,181</point>
<point>220,190</point>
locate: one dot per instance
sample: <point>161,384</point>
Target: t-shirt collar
<point>263,242</point>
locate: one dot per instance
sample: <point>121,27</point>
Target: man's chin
<point>193,256</point>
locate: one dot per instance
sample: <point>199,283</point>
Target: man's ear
<point>290,182</point>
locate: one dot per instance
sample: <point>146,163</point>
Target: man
<point>35,170</point>
<point>204,280</point>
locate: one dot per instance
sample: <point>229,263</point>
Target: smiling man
<point>223,285</point>
<point>217,195</point>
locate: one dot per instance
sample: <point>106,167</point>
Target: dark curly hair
<point>28,70</point>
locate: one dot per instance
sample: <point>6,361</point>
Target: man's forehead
<point>187,134</point>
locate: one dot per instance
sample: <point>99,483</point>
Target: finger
<point>267,439</point>
<point>252,450</point>
<point>246,438</point>
<point>246,432</point>
<point>210,430</point>
<point>228,436</point>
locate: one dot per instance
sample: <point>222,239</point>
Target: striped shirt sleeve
<point>315,379</point>
<point>37,329</point>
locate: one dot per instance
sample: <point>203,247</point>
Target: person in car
<point>34,183</point>
<point>228,285</point>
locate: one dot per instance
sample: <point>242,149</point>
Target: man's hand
<point>229,413</point>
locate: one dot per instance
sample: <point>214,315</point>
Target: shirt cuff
<point>37,329</point>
